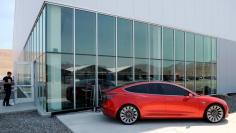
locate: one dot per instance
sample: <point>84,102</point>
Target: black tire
<point>214,113</point>
<point>128,114</point>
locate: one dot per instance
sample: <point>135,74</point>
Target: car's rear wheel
<point>128,114</point>
<point>214,113</point>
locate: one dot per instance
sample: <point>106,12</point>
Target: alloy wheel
<point>214,113</point>
<point>128,114</point>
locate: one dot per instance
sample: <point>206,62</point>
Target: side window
<point>173,90</point>
<point>155,88</point>
<point>138,88</point>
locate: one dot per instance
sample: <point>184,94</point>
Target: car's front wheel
<point>128,114</point>
<point>214,113</point>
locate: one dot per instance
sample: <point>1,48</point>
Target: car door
<point>178,103</point>
<point>156,106</point>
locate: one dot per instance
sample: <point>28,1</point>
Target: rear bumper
<point>108,110</point>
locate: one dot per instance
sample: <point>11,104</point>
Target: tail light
<point>107,97</point>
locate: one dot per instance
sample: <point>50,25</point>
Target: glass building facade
<point>78,54</point>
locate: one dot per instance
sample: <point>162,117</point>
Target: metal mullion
<point>133,54</point>
<point>149,55</point>
<point>116,56</point>
<point>162,77</point>
<point>74,89</point>
<point>195,64</point>
<point>185,63</point>
<point>174,53</point>
<point>96,68</point>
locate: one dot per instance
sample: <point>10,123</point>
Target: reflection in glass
<point>106,35</point>
<point>85,32</point>
<point>141,69</point>
<point>124,37</point>
<point>59,79</point>
<point>141,40</point>
<point>180,73</point>
<point>85,81</point>
<point>168,70</point>
<point>214,43</point>
<point>59,29</point>
<point>124,70</point>
<point>207,49</point>
<point>199,48</point>
<point>179,45</point>
<point>67,30</point>
<point>189,47</point>
<point>190,75</point>
<point>213,78</point>
<point>155,70</point>
<point>106,70</point>
<point>209,78</point>
<point>168,43</point>
<point>155,42</point>
<point>200,80</point>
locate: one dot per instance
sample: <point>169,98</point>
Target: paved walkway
<point>90,122</point>
<point>17,107</point>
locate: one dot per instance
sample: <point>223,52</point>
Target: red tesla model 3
<point>150,100</point>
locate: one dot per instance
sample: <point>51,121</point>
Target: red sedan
<point>150,100</point>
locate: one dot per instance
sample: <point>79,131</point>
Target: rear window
<point>138,88</point>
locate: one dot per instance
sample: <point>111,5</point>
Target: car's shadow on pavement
<point>168,122</point>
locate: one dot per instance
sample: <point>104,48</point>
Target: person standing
<point>7,81</point>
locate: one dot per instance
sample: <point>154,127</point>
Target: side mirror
<point>189,95</point>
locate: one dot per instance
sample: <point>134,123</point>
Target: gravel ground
<point>30,122</point>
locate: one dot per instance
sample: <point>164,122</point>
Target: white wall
<point>226,66</point>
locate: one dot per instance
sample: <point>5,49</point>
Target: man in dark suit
<point>7,81</point>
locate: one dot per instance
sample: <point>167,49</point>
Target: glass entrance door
<point>23,82</point>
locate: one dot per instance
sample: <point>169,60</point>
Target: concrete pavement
<point>96,122</point>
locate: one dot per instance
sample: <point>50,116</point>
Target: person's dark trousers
<point>7,96</point>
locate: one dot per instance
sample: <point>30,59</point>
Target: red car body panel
<point>159,106</point>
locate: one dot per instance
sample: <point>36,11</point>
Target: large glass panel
<point>200,80</point>
<point>155,42</point>
<point>34,44</point>
<point>208,77</point>
<point>214,50</point>
<point>214,78</point>
<point>207,49</point>
<point>60,81</point>
<point>168,70</point>
<point>168,43</point>
<point>141,40</point>
<point>124,37</point>
<point>190,47</point>
<point>59,29</point>
<point>180,73</point>
<point>85,32</point>
<point>124,70</point>
<point>141,69</point>
<point>155,70</point>
<point>85,81</point>
<point>190,75</point>
<point>60,77</point>
<point>199,48</point>
<point>67,30</point>
<point>106,72</point>
<point>179,45</point>
<point>106,35</point>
